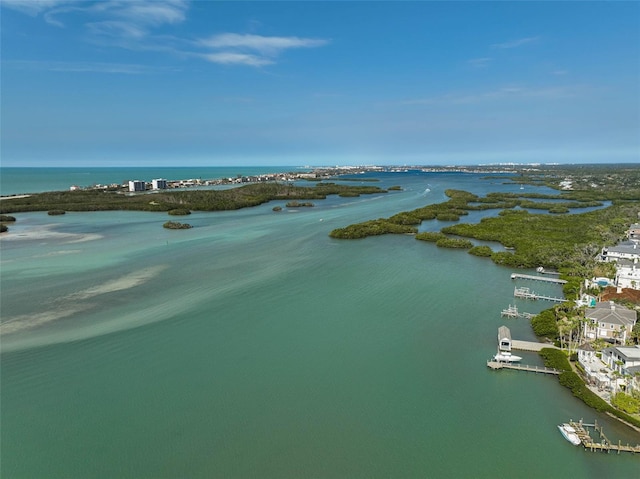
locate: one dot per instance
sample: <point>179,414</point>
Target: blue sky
<point>146,83</point>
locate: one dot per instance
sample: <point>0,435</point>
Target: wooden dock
<point>530,345</point>
<point>538,278</point>
<point>495,365</point>
<point>512,312</point>
<point>605,445</point>
<point>526,293</point>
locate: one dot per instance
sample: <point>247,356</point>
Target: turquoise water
<point>253,345</point>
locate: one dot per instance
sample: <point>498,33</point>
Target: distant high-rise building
<point>137,185</point>
<point>159,184</point>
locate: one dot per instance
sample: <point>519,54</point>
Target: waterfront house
<point>626,361</point>
<point>621,358</point>
<point>634,381</point>
<point>627,274</point>
<point>634,232</point>
<point>609,321</point>
<point>628,250</point>
<point>595,370</point>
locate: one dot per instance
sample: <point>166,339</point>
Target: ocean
<point>255,346</point>
<point>16,181</point>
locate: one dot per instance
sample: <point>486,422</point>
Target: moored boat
<point>506,357</point>
<point>569,434</point>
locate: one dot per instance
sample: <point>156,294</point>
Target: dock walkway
<point>530,345</point>
<point>605,444</point>
<point>525,293</point>
<point>521,367</point>
<point>512,312</point>
<point>538,278</point>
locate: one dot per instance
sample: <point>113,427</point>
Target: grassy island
<point>174,225</point>
<point>5,219</point>
<point>179,212</point>
<point>298,204</point>
<point>201,200</point>
<point>569,243</point>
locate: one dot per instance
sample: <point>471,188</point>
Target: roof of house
<point>611,313</point>
<point>626,262</point>
<point>628,247</point>
<point>627,353</point>
<point>504,333</point>
<point>586,347</point>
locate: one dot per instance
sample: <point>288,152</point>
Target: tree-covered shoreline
<point>199,200</point>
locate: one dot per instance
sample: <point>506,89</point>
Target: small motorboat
<point>506,357</point>
<point>569,434</point>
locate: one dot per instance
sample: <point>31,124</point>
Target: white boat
<point>506,357</point>
<point>569,434</point>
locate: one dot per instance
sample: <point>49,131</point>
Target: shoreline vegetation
<point>568,243</point>
<point>178,202</point>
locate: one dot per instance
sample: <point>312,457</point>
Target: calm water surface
<point>253,345</point>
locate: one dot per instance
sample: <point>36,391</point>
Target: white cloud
<point>265,45</point>
<point>516,43</point>
<point>32,7</point>
<point>117,28</point>
<point>133,25</point>
<point>139,14</point>
<point>252,50</point>
<point>231,58</point>
<point>153,13</point>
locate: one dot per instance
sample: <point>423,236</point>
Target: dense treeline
<point>569,242</point>
<point>196,200</point>
<point>372,228</point>
<point>557,359</point>
<point>599,181</point>
<point>459,204</point>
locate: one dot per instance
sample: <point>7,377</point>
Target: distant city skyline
<point>209,83</point>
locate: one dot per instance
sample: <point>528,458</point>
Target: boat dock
<point>537,278</point>
<point>512,312</point>
<point>526,293</point>
<point>605,444</point>
<point>541,270</point>
<point>495,365</point>
<point>530,345</point>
